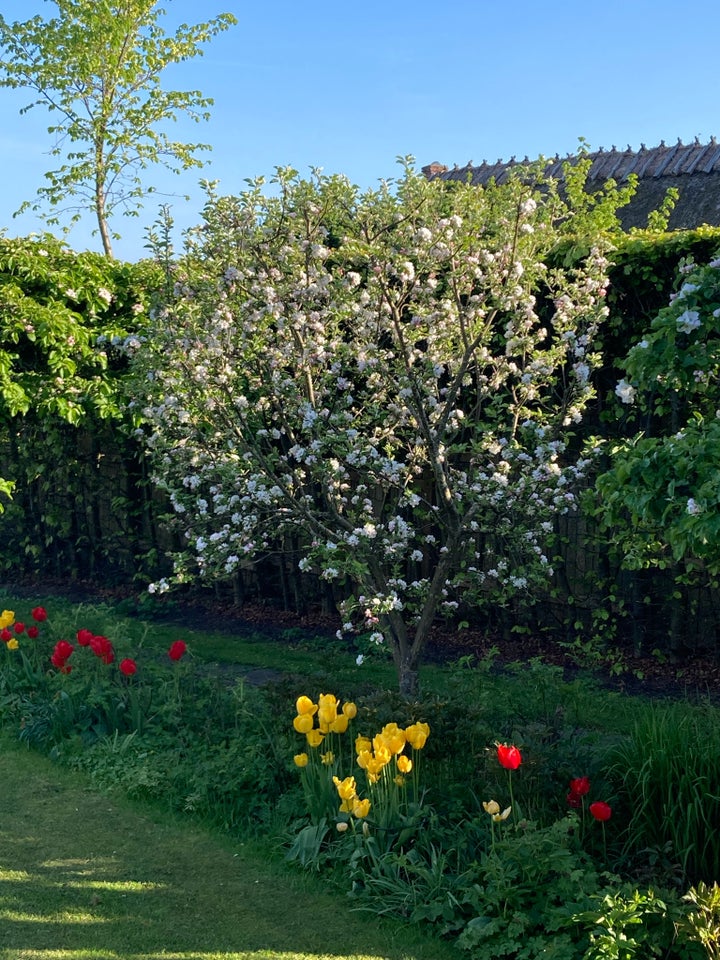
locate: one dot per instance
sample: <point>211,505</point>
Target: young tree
<point>388,379</point>
<point>96,67</point>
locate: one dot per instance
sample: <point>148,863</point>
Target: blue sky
<point>349,87</point>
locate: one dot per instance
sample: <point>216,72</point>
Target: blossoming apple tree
<point>386,379</point>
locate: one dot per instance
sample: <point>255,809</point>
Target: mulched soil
<point>693,676</point>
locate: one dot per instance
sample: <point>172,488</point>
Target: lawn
<point>84,875</point>
<point>513,810</point>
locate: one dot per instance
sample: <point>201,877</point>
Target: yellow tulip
<point>404,764</point>
<point>305,705</point>
<point>314,738</point>
<point>301,759</point>
<point>362,744</point>
<point>7,618</point>
<point>339,724</point>
<point>374,768</point>
<point>327,709</point>
<point>361,808</point>
<point>350,710</point>
<point>303,723</point>
<point>12,644</point>
<point>393,737</point>
<point>417,734</point>
<point>399,781</point>
<point>497,817</point>
<point>346,788</point>
<point>346,806</point>
<point>382,752</point>
<point>327,758</point>
<point>492,807</point>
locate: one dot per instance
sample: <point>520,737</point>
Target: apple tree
<point>388,379</point>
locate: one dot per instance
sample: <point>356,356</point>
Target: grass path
<point>84,876</point>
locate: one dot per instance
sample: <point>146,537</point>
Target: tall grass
<point>667,776</point>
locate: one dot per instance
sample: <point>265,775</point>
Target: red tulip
<point>39,614</point>
<point>177,650</point>
<point>5,635</point>
<point>63,650</point>
<point>508,757</point>
<point>128,667</point>
<point>574,800</point>
<point>19,627</point>
<point>580,786</point>
<point>33,632</point>
<point>84,637</point>
<point>600,810</point>
<point>102,648</point>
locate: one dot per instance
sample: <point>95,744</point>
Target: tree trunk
<point>409,680</point>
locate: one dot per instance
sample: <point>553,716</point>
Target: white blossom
<point>625,391</point>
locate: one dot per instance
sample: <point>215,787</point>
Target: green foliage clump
<point>667,780</point>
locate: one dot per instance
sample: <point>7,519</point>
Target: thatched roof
<point>693,168</point>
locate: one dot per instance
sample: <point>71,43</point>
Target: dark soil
<point>690,676</point>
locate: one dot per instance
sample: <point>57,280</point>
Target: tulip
<point>177,650</point>
<point>5,635</point>
<point>341,827</point>
<point>128,667</point>
<point>497,817</point>
<point>303,723</point>
<point>404,764</point>
<point>33,632</point>
<point>327,758</point>
<point>600,810</point>
<point>314,738</point>
<point>84,637</point>
<point>580,786</point>
<point>492,807</point>
<point>350,710</point>
<point>416,735</point>
<point>340,723</point>
<point>361,808</point>
<point>39,614</point>
<point>327,709</point>
<point>305,705</point>
<point>362,744</point>
<point>393,737</point>
<point>19,627</point>
<point>508,757</point>
<point>12,644</point>
<point>7,617</point>
<point>301,759</point>
<point>346,788</point>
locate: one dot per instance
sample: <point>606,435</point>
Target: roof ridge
<point>676,160</point>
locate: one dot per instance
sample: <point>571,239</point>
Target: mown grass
<point>85,876</point>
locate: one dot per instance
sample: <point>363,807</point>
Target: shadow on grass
<point>85,876</point>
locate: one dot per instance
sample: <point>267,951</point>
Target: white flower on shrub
<point>688,321</point>
<point>625,391</point>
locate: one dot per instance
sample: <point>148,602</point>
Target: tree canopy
<point>96,67</point>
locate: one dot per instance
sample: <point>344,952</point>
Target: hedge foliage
<point>77,500</point>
